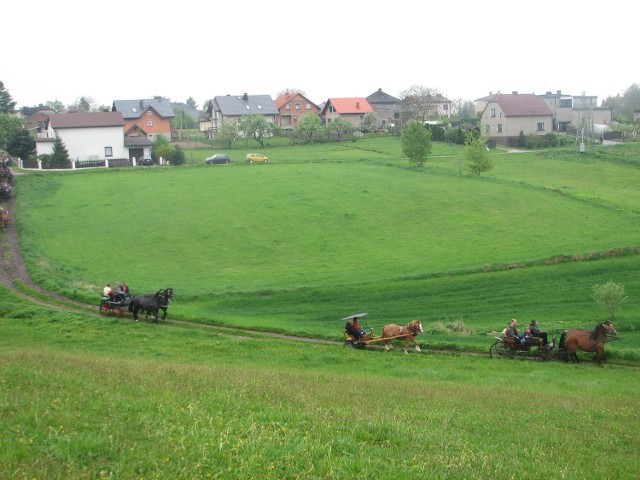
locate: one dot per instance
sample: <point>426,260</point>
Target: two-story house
<point>291,107</point>
<point>506,115</point>
<point>87,136</point>
<point>350,109</point>
<point>146,118</point>
<point>235,107</point>
<point>387,107</point>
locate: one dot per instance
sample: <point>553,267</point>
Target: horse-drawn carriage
<point>591,341</point>
<point>390,332</point>
<point>6,182</point>
<point>149,304</point>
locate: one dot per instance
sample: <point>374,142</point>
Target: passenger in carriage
<point>527,334</point>
<point>118,293</point>
<point>536,332</point>
<point>125,290</point>
<point>512,331</point>
<point>107,291</point>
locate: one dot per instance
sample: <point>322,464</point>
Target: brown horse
<point>408,333</point>
<point>587,340</point>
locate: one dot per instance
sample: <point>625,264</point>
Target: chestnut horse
<point>587,340</point>
<point>408,333</point>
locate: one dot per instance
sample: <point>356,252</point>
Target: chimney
<point>357,104</point>
<point>514,92</point>
<point>141,105</point>
<point>245,97</point>
<point>559,92</point>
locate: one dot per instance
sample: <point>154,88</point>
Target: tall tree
<point>59,157</point>
<point>192,103</point>
<point>624,106</point>
<point>416,142</point>
<point>7,105</point>
<point>55,105</point>
<point>9,125</point>
<point>341,127</point>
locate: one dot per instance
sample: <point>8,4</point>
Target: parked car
<point>145,161</point>
<point>219,158</point>
<point>257,157</point>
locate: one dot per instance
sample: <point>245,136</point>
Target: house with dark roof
<point>235,107</point>
<point>291,106</point>
<point>146,118</point>
<point>351,109</point>
<point>387,107</point>
<point>506,115</point>
<point>87,136</point>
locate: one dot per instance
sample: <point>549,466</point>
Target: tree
<point>463,109</point>
<point>289,90</point>
<point>59,157</point>
<point>7,105</point>
<point>625,105</point>
<point>256,126</point>
<point>9,125</point>
<point>21,144</point>
<point>161,147</point>
<point>476,155</point>
<point>192,103</point>
<point>176,156</point>
<point>369,122</point>
<point>341,127</point>
<point>418,102</point>
<point>87,104</point>
<point>227,133</point>
<point>55,105</point>
<point>609,296</point>
<point>416,142</point>
<point>309,125</point>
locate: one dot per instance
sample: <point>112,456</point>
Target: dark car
<point>219,158</point>
<point>145,161</point>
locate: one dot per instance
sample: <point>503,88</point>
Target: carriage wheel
<point>117,312</point>
<point>104,309</point>
<point>499,349</point>
<point>349,344</point>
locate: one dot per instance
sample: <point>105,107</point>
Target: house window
<point>288,106</point>
<point>487,128</point>
<point>541,127</point>
<point>493,112</point>
<point>308,106</point>
<point>445,107</point>
<point>149,112</point>
<point>297,106</point>
<point>108,151</point>
<point>150,123</point>
<point>565,103</point>
<point>499,128</point>
<point>500,114</point>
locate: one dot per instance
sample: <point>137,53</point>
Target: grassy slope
<point>85,398</point>
<point>300,245</point>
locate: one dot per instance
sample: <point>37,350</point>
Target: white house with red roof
<point>350,109</point>
<point>504,116</point>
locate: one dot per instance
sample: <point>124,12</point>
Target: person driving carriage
<point>536,332</point>
<point>354,329</point>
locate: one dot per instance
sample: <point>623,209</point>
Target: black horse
<point>150,303</point>
<point>165,296</point>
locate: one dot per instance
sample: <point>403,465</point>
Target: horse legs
<point>387,345</point>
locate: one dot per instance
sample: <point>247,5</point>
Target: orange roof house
<point>291,107</point>
<point>351,109</point>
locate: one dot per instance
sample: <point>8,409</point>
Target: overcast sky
<point>125,50</point>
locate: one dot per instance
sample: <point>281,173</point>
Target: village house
<point>235,107</point>
<point>350,109</point>
<point>506,115</point>
<point>387,107</point>
<point>146,118</point>
<point>89,137</point>
<point>571,112</point>
<point>291,106</point>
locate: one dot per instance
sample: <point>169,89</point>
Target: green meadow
<point>326,230</point>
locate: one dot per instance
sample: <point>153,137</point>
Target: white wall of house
<point>92,143</point>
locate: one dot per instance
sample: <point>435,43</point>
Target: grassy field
<point>89,398</point>
<point>327,230</point>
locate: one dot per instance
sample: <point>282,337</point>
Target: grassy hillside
<point>329,230</point>
<point>86,398</point>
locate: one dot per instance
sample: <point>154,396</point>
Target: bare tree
<point>419,103</point>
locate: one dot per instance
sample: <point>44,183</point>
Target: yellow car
<point>256,157</point>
